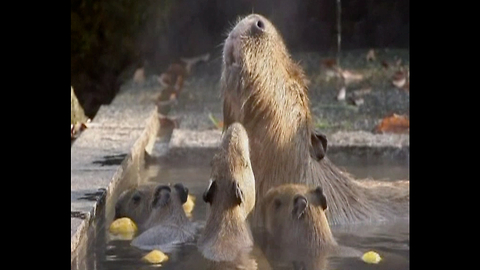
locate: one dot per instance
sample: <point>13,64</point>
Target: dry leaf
<point>362,92</point>
<point>385,64</point>
<point>356,101</point>
<point>399,79</point>
<point>165,79</point>
<point>177,69</point>
<point>342,93</point>
<point>329,63</point>
<point>139,76</point>
<point>77,128</point>
<point>350,76</point>
<point>394,124</point>
<point>371,55</point>
<point>189,62</point>
<point>167,121</point>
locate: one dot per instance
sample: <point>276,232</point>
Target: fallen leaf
<point>362,92</point>
<point>329,62</point>
<point>394,124</point>
<point>167,121</point>
<point>385,64</point>
<point>177,69</point>
<point>371,55</point>
<point>189,62</point>
<point>356,101</point>
<point>77,128</point>
<point>165,79</point>
<point>342,93</point>
<point>139,76</point>
<point>350,76</point>
<point>218,123</point>
<point>399,79</point>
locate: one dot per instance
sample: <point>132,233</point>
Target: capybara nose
<point>260,25</point>
<point>257,24</point>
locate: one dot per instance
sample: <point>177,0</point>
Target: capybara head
<point>231,196</point>
<point>167,204</point>
<point>135,203</point>
<point>232,181</point>
<point>295,214</point>
<point>263,87</point>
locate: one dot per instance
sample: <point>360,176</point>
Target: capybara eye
<point>136,198</point>
<point>277,203</point>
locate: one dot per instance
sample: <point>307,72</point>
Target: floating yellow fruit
<point>371,257</point>
<point>189,204</point>
<point>155,256</point>
<point>123,226</point>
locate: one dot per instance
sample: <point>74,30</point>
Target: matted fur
<point>266,91</point>
<point>227,233</point>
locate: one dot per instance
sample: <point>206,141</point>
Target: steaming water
<point>390,240</point>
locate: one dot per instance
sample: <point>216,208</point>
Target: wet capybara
<point>297,231</point>
<point>168,224</point>
<point>136,204</point>
<point>266,91</point>
<point>231,196</point>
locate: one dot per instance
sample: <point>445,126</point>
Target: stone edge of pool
<point>115,142</point>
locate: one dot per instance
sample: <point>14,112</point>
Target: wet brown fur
<point>167,223</point>
<point>231,196</point>
<point>265,90</point>
<point>292,239</point>
<point>138,209</point>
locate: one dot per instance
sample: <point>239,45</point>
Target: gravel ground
<point>201,95</point>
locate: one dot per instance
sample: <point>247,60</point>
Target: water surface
<point>390,240</point>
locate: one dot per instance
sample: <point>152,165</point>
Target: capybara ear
<point>322,200</point>
<point>210,192</point>
<point>318,147</point>
<point>182,192</point>
<point>161,196</point>
<point>239,198</point>
<point>300,203</point>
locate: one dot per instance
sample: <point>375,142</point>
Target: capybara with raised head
<point>266,91</point>
<point>231,196</point>
<point>168,224</point>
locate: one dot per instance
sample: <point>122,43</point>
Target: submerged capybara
<point>168,224</point>
<point>266,91</point>
<point>136,204</point>
<point>231,196</point>
<point>296,229</point>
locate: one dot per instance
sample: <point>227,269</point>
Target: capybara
<point>136,204</point>
<point>266,91</point>
<point>168,224</point>
<point>231,196</point>
<point>297,231</point>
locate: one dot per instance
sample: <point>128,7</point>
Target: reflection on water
<point>390,240</point>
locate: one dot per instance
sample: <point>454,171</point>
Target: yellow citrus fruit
<point>124,226</point>
<point>371,257</point>
<point>155,257</point>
